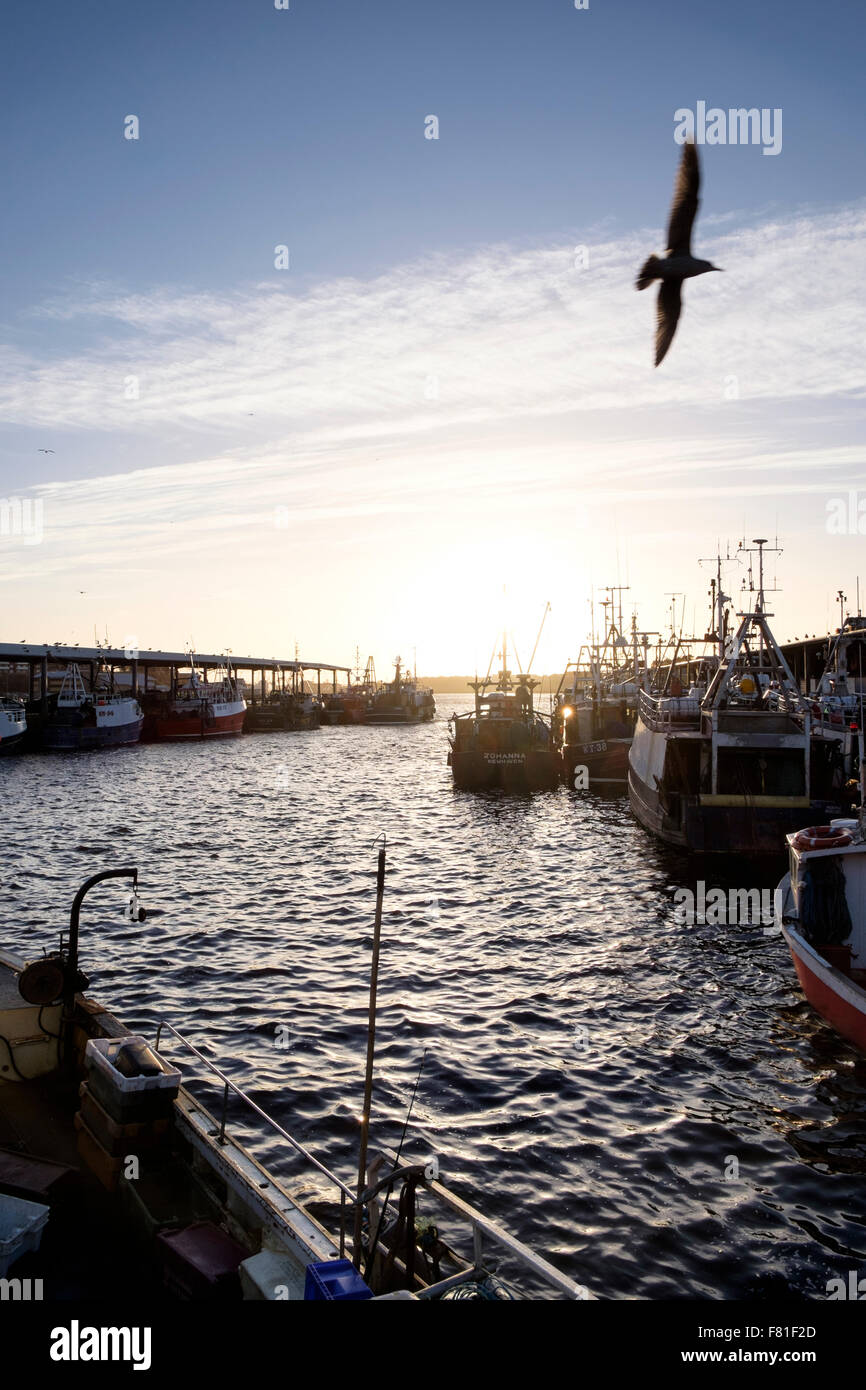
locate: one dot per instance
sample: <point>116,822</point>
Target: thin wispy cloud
<point>499,333</point>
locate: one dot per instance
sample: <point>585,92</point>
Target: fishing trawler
<point>400,701</point>
<point>79,718</point>
<point>349,706</point>
<point>820,912</point>
<point>114,1174</point>
<point>203,708</point>
<point>284,710</point>
<point>595,705</point>
<point>732,768</point>
<point>504,742</point>
<point>13,724</point>
<point>837,704</point>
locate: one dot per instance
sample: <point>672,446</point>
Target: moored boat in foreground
<point>821,912</point>
<point>115,1175</point>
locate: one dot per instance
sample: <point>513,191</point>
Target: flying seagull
<point>45,451</point>
<point>679,264</point>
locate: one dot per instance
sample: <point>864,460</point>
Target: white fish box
<point>272,1276</point>
<point>129,1099</point>
<point>21,1227</point>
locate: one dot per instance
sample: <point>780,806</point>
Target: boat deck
<point>86,1253</point>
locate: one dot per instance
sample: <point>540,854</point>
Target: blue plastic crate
<point>334,1279</point>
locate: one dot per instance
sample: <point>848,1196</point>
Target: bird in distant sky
<point>45,451</point>
<point>679,264</point>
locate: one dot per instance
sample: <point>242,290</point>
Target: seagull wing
<point>685,203</point>
<point>667,316</point>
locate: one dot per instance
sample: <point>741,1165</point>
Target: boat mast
<point>538,638</point>
<point>371,1051</point>
<point>718,599</point>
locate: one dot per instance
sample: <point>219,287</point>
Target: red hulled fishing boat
<point>202,708</point>
<point>821,913</point>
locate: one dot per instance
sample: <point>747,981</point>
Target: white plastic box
<point>128,1099</point>
<point>21,1227</point>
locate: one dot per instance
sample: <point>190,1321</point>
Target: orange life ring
<point>822,837</point>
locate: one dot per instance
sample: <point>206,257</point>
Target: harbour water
<point>650,1105</point>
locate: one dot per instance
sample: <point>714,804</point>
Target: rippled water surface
<point>592,1067</point>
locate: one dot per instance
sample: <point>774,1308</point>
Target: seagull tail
<point>647,273</point>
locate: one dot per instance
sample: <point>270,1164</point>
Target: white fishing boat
<point>13,724</point>
<point>733,767</point>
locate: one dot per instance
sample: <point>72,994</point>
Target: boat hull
<point>525,770</point>
<point>262,720</point>
<point>182,728</point>
<point>702,825</point>
<point>409,715</point>
<point>13,730</point>
<point>63,737</point>
<point>605,760</point>
<point>839,1000</point>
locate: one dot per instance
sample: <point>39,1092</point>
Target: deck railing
<point>480,1226</point>
<point>667,713</point>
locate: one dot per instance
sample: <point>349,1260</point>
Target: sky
<point>442,412</point>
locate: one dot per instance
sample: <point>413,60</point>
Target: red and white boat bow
<point>821,911</point>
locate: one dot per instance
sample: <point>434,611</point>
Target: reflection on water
<point>649,1104</point>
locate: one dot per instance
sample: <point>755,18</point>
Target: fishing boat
<point>345,706</point>
<point>115,1174</point>
<point>837,704</point>
<point>13,724</point>
<point>504,742</point>
<point>732,768</point>
<point>400,701</point>
<point>595,705</point>
<point>203,708</point>
<point>284,710</point>
<point>100,718</point>
<point>820,912</point>
<point>350,705</point>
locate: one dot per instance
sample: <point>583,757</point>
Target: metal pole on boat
<point>371,1048</point>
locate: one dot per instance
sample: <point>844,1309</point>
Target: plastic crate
<point>334,1281</point>
<point>21,1227</point>
<point>105,1166</point>
<point>128,1099</point>
<point>117,1139</point>
<point>201,1261</point>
